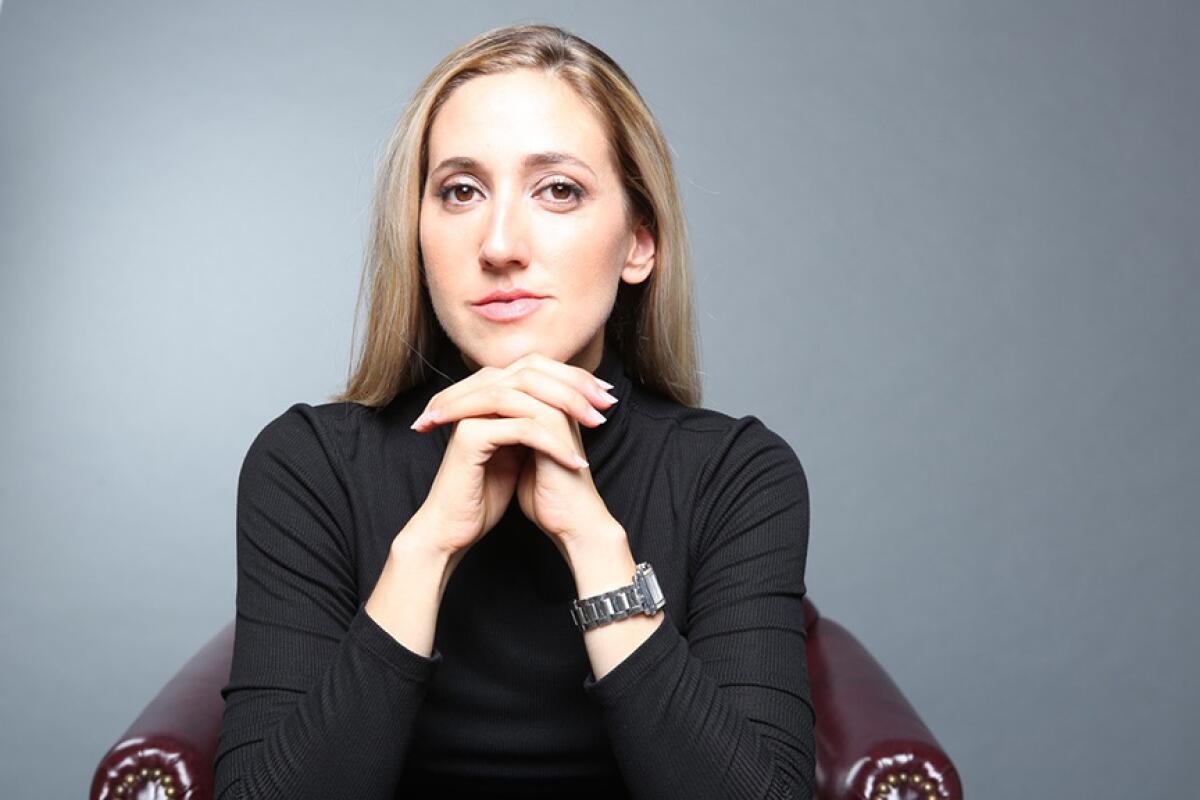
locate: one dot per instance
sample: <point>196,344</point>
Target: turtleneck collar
<point>598,442</point>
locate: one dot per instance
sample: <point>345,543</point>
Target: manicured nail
<point>426,416</point>
<point>610,398</point>
<point>605,384</point>
<point>580,461</point>
<point>596,417</point>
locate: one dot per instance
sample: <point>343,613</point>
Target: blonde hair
<point>651,324</point>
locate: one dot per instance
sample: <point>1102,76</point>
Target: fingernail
<point>605,384</point>
<point>596,416</point>
<point>608,397</point>
<point>580,461</point>
<point>426,416</point>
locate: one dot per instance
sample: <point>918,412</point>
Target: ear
<point>640,261</point>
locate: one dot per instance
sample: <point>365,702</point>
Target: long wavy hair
<point>651,323</point>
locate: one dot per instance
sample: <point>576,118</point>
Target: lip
<point>504,295</point>
<point>511,310</point>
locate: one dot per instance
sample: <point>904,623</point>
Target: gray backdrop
<point>948,251</point>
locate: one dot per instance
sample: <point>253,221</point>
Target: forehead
<point>498,119</point>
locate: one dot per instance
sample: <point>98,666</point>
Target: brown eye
<point>457,190</point>
<point>562,192</point>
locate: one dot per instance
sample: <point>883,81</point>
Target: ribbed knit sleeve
<point>321,700</point>
<point>718,705</point>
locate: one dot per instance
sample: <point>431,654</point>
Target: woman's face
<point>522,193</point>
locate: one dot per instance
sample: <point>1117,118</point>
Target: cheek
<point>592,250</point>
<point>433,259</point>
<point>437,247</point>
<point>590,278</point>
<point>427,233</point>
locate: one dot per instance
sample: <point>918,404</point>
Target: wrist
<point>408,593</point>
<point>602,561</point>
<point>415,552</point>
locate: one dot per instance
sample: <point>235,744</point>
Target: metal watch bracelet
<point>643,595</point>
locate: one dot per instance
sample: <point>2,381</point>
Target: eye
<point>562,192</point>
<point>573,192</point>
<point>445,192</point>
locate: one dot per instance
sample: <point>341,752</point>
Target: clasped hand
<point>516,428</point>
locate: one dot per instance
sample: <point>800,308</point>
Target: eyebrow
<point>548,158</point>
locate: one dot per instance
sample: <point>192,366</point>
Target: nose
<point>506,238</point>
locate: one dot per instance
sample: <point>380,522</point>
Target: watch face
<point>648,588</point>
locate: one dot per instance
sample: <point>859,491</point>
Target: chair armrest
<point>174,740</point>
<point>870,742</point>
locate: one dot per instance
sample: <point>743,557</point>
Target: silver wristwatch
<point>642,595</point>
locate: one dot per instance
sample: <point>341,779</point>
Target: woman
<point>410,555</point>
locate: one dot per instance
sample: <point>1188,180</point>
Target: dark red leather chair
<point>871,745</point>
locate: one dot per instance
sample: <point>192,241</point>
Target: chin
<point>502,351</point>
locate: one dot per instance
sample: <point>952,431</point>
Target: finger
<point>587,383</point>
<point>480,377</point>
<point>583,381</point>
<point>486,435</point>
<point>566,397</point>
<point>513,401</point>
<point>550,388</point>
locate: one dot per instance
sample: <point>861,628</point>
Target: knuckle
<point>512,400</point>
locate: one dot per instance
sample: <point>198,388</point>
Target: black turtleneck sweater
<point>322,702</point>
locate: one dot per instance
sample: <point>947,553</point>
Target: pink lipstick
<point>510,310</point>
